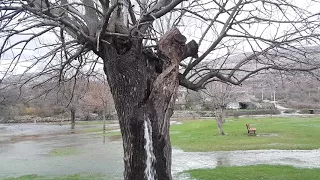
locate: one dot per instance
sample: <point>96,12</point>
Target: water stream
<point>149,171</point>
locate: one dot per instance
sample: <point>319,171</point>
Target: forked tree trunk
<point>143,86</point>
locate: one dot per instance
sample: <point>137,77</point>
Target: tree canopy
<point>237,39</point>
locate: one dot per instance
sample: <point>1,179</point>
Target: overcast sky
<point>192,30</point>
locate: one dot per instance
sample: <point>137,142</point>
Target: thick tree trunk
<point>220,119</point>
<point>143,87</point>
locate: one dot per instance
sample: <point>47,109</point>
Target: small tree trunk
<point>223,114</point>
<point>220,119</point>
<point>104,118</point>
<point>73,118</point>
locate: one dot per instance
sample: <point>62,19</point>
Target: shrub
<point>289,111</point>
<point>30,111</point>
<point>308,111</point>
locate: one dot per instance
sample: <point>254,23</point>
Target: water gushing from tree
<point>149,171</point>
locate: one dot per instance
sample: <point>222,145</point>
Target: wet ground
<point>25,149</point>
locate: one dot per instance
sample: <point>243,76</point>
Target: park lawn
<point>64,177</point>
<point>265,172</point>
<point>273,133</point>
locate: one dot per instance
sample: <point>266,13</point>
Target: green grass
<point>265,172</point>
<point>273,133</point>
<point>65,151</point>
<point>65,177</point>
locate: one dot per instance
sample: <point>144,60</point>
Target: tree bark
<point>143,85</point>
<point>104,118</point>
<point>220,119</point>
<point>73,118</point>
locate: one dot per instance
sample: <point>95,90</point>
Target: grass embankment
<point>273,133</point>
<point>265,172</point>
<point>65,177</point>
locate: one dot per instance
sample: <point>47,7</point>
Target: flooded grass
<point>65,151</point>
<point>265,172</point>
<point>114,138</point>
<point>93,122</point>
<point>50,157</point>
<point>301,133</point>
<point>65,177</point>
<point>112,133</point>
<point>92,130</point>
<point>25,137</point>
<point>98,129</point>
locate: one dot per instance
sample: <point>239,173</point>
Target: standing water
<point>149,171</point>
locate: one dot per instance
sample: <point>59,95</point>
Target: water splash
<point>149,171</point>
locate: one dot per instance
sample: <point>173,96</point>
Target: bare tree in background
<point>9,96</point>
<point>100,97</point>
<point>219,95</point>
<point>144,67</point>
<point>70,95</point>
<point>67,94</point>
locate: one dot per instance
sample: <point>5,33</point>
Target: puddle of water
<point>114,138</point>
<point>194,160</point>
<point>30,156</point>
<point>175,122</point>
<point>175,132</point>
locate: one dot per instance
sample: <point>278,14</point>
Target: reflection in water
<point>223,160</point>
<point>33,156</point>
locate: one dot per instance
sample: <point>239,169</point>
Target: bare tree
<point>99,96</point>
<point>238,38</point>
<point>219,96</point>
<point>70,95</point>
<point>9,97</point>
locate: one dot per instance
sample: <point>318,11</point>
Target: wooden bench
<point>250,129</point>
